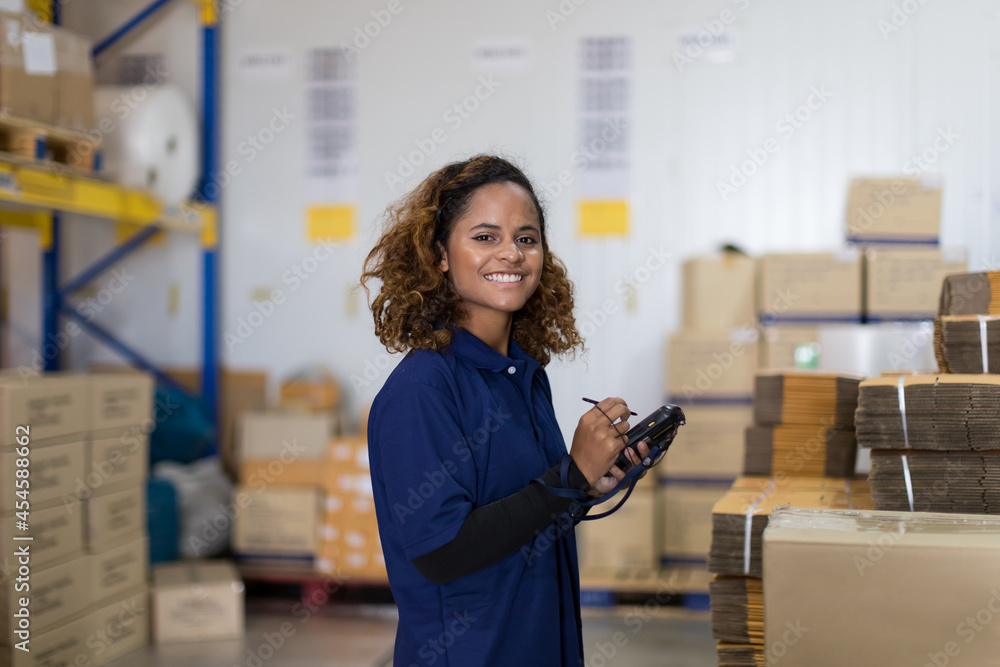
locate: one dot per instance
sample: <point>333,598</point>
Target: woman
<point>481,557</point>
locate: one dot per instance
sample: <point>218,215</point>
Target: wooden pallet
<point>684,586</point>
<point>30,142</point>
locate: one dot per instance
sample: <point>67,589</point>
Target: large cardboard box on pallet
<point>709,445</point>
<point>291,435</point>
<point>905,283</point>
<point>74,80</point>
<point>281,521</point>
<point>55,472</point>
<point>27,68</point>
<point>686,520</point>
<point>893,210</point>
<point>197,601</point>
<point>810,286</point>
<point>53,407</point>
<point>718,292</point>
<point>55,533</point>
<point>784,346</point>
<point>626,540</point>
<point>872,588</point>
<point>58,591</point>
<point>711,366</point>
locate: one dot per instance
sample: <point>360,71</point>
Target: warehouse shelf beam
<point>106,262</point>
<point>128,27</point>
<point>123,350</point>
<point>210,361</point>
<point>50,292</point>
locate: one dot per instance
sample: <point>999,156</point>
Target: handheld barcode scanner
<point>659,429</point>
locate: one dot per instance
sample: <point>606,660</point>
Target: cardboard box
<point>357,532</point>
<point>904,284</point>
<point>338,505</point>
<point>349,453</point>
<point>54,407</point>
<point>55,533</point>
<point>316,391</point>
<point>58,591</point>
<point>718,293</point>
<point>114,514</point>
<point>709,445</point>
<point>348,483</point>
<point>810,287</point>
<point>120,627</point>
<point>27,68</point>
<point>624,540</point>
<point>240,391</point>
<point>273,434</point>
<point>881,588</point>
<point>74,80</point>
<point>784,346</point>
<point>686,520</point>
<point>119,400</point>
<point>711,366</point>
<point>197,601</point>
<point>114,461</point>
<point>345,562</point>
<point>279,521</point>
<point>120,569</point>
<point>893,209</point>
<point>262,473</point>
<point>55,472</point>
<point>62,645</point>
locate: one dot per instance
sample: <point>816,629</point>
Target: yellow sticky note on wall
<point>603,218</point>
<point>324,223</point>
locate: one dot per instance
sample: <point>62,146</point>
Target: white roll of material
<point>150,139</point>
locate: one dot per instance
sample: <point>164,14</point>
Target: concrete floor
<point>350,635</point>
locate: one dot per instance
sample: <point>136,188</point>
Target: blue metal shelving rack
<point>55,293</point>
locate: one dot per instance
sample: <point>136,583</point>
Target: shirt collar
<point>467,346</point>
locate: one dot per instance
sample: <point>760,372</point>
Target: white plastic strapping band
<point>982,343</point>
<point>906,441</point>
<point>748,528</point>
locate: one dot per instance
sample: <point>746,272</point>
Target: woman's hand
<point>599,438</point>
<point>610,480</point>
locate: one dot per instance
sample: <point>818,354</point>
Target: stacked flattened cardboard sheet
<point>738,610</point>
<point>804,425</point>
<point>970,294</point>
<point>967,343</point>
<point>935,442</point>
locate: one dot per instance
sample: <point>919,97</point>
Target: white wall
<point>889,98</point>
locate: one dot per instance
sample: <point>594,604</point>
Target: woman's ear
<point>443,264</point>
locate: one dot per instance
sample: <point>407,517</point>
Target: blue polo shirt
<point>450,432</point>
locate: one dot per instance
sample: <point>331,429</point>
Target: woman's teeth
<point>504,278</point>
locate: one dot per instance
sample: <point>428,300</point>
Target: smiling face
<point>494,255</point>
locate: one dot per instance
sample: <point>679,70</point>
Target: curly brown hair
<point>416,307</point>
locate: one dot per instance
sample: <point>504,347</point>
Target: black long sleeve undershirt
<point>495,531</point>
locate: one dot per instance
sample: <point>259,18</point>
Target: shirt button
<point>511,370</point>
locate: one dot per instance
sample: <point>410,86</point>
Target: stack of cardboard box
<point>710,372</point>
<point>87,447</point>
<point>305,496</point>
<point>46,73</point>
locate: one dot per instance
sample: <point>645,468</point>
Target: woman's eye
<point>527,239</point>
<point>483,237</point>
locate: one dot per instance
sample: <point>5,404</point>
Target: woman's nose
<point>510,252</point>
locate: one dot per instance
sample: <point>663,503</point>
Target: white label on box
<point>334,504</point>
<point>273,64</point>
<point>8,181</point>
<point>13,30</point>
<point>329,533</point>
<point>39,53</point>
<point>953,255</point>
<point>744,336</point>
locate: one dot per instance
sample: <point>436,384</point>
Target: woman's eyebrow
<point>491,226</point>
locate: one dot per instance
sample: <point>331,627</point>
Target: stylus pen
<point>590,400</point>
